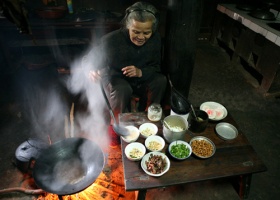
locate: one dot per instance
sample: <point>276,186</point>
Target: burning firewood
<point>66,127</point>
<point>24,190</point>
<point>72,120</point>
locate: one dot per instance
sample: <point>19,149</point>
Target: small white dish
<point>148,129</point>
<point>154,143</point>
<point>149,158</point>
<point>135,151</point>
<point>134,134</point>
<point>178,144</point>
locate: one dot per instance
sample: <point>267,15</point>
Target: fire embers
<point>109,184</point>
<point>100,189</point>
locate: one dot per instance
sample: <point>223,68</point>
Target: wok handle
<point>168,76</point>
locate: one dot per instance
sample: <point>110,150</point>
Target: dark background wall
<point>200,14</point>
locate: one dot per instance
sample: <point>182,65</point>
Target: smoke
<point>94,121</point>
<point>44,103</point>
<point>47,103</point>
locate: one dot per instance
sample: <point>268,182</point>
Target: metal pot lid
<point>226,131</point>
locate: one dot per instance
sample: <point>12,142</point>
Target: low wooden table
<point>234,159</point>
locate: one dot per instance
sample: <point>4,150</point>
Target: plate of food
<point>135,151</point>
<point>202,147</point>
<point>154,143</point>
<point>155,163</point>
<point>133,135</point>
<point>180,150</point>
<point>148,129</point>
<point>215,111</point>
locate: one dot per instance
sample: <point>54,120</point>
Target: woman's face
<point>140,32</point>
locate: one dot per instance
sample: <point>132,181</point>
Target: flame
<point>107,186</point>
<point>100,189</point>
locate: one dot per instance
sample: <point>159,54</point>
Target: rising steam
<point>94,122</point>
<point>46,104</point>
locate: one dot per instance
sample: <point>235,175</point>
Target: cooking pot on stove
<point>28,150</point>
<point>246,7</point>
<point>68,166</point>
<point>263,14</point>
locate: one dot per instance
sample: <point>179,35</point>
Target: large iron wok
<point>68,166</point>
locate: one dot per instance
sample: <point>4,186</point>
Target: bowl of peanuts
<point>202,147</point>
<point>154,143</point>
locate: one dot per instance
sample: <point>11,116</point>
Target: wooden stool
<point>134,103</point>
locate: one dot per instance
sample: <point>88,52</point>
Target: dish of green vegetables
<point>180,150</point>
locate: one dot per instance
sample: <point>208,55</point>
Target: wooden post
<point>182,28</point>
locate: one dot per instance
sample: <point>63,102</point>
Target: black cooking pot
<point>263,14</point>
<point>179,103</point>
<point>68,166</point>
<point>28,150</point>
<point>246,7</point>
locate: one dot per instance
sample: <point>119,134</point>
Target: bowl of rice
<point>174,128</point>
<point>148,129</point>
<point>135,151</point>
<point>154,143</point>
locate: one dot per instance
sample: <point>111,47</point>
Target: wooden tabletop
<point>232,158</point>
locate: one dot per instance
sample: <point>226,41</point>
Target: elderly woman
<point>130,60</point>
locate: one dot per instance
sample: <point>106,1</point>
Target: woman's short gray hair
<point>142,12</point>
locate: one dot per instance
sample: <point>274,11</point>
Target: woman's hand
<point>91,74</point>
<point>94,75</point>
<point>132,71</point>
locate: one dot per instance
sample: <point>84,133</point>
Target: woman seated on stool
<point>128,60</point>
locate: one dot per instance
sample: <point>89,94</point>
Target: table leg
<point>244,185</point>
<point>140,194</point>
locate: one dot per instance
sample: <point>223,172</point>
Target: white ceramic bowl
<point>146,158</point>
<point>135,151</point>
<point>215,111</point>
<point>154,143</point>
<point>148,129</point>
<point>179,148</point>
<point>133,136</point>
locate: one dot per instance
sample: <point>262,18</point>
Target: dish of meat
<point>155,163</point>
